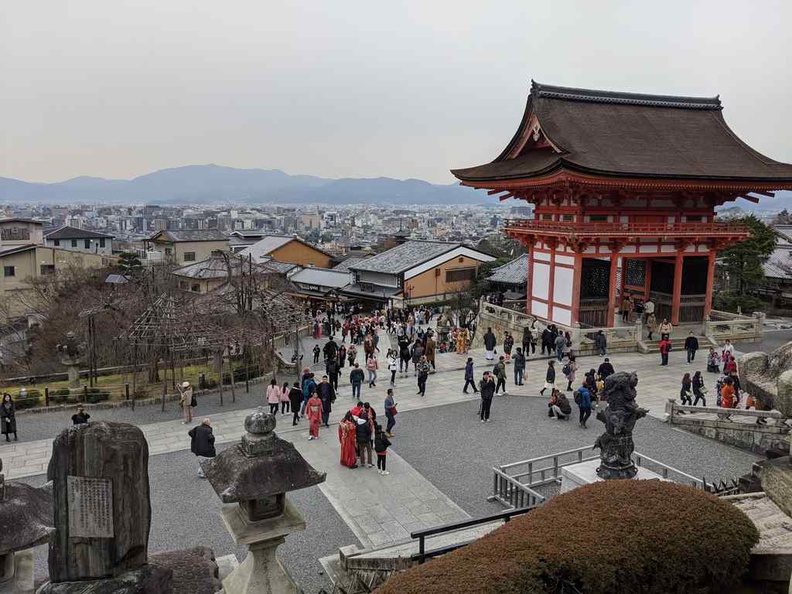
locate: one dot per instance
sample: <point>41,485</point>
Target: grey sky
<point>118,88</point>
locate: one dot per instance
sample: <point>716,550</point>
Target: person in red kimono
<point>347,437</point>
<point>313,410</point>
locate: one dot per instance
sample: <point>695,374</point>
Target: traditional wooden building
<point>624,187</point>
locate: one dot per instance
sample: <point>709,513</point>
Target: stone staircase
<point>678,345</point>
<point>360,571</point>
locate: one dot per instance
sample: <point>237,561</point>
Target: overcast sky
<point>354,88</point>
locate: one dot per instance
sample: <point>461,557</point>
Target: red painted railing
<point>628,229</point>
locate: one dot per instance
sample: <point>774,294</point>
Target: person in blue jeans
<point>356,379</point>
<point>519,367</point>
<point>390,413</point>
<point>469,381</point>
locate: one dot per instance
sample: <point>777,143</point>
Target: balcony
<point>571,232</point>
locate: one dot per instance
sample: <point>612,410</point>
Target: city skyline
<point>402,91</point>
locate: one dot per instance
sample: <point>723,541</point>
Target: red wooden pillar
<point>553,245</point>
<point>614,261</point>
<point>677,295</point>
<point>529,284</point>
<point>710,281</point>
<point>577,274</point>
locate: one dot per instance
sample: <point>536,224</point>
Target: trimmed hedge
<point>650,537</point>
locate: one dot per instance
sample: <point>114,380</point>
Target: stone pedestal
<point>261,572</point>
<point>585,473</point>
<point>73,370</point>
<point>18,573</point>
<point>101,502</point>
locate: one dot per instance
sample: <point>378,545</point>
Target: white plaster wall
<point>565,260</point>
<point>542,256</point>
<point>539,309</point>
<point>562,316</point>
<point>541,280</point>
<point>562,286</point>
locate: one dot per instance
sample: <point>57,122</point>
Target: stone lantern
<point>252,480</point>
<point>25,522</point>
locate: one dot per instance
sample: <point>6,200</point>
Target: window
<point>47,269</point>
<point>196,288</point>
<point>459,275</point>
<point>74,243</point>
<point>189,256</point>
<point>56,242</point>
<point>567,217</point>
<point>694,219</point>
<point>9,270</point>
<point>599,218</point>
<point>547,217</point>
<point>87,244</point>
<point>101,242</point>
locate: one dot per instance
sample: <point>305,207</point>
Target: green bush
<point>642,537</point>
<point>30,400</point>
<point>95,395</point>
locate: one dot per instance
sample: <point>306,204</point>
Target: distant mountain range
<point>214,184</point>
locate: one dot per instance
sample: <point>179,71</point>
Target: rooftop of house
<point>511,273</point>
<point>404,257</point>
<point>218,266</point>
<point>344,266</point>
<point>67,232</point>
<point>321,277</point>
<point>271,243</point>
<point>190,235</point>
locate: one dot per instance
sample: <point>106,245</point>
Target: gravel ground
<point>450,447</point>
<point>186,513</point>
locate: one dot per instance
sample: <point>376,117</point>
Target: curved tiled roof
<point>627,135</point>
<point>511,273</point>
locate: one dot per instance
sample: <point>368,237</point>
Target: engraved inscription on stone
<point>90,507</point>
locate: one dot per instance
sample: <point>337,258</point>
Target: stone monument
<point>252,480</point>
<point>72,356</point>
<point>102,513</point>
<point>616,444</point>
<point>25,522</point>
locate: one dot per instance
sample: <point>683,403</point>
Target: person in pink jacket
<point>273,396</point>
<point>284,398</point>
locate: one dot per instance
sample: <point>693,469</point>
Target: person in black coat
<point>296,399</point>
<point>489,344</point>
<point>202,443</point>
<point>605,369</point>
<point>691,346</point>
<point>487,389</point>
<point>8,418</point>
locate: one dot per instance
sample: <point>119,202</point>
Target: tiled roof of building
<point>626,134</point>
<point>270,243</point>
<point>191,235</point>
<point>511,273</point>
<point>67,232</point>
<point>321,277</point>
<point>344,266</point>
<point>405,256</point>
<point>216,267</point>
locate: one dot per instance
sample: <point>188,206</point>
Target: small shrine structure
<point>624,188</point>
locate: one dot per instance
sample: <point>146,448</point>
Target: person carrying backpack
<point>569,369</point>
<point>583,399</point>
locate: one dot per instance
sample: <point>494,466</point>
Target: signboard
<point>90,507</point>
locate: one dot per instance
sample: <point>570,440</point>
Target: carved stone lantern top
<point>262,466</point>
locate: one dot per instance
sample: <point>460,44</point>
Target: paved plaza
<point>440,462</point>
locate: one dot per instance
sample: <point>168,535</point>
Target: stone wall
<point>748,436</point>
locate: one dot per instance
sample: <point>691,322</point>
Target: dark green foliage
<point>96,395</point>
<point>642,537</point>
<point>741,264</point>
<point>129,263</point>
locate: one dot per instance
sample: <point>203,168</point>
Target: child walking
<point>381,443</point>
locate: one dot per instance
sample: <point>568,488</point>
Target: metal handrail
<point>422,535</point>
<point>631,228</point>
<point>507,487</point>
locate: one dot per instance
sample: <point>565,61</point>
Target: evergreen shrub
<point>30,400</point>
<point>637,536</point>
